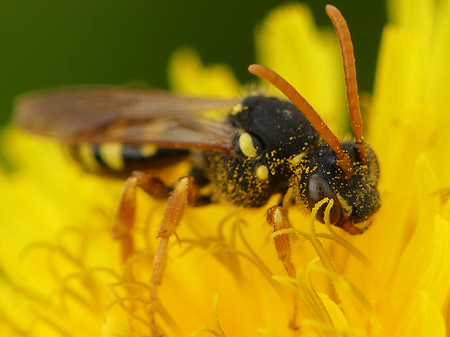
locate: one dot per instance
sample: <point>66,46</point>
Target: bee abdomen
<point>119,160</point>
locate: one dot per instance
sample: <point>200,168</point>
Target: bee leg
<point>125,218</point>
<point>185,193</point>
<point>277,219</point>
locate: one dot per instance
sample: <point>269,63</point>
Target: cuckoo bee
<point>261,147</point>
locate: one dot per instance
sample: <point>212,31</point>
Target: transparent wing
<point>131,116</point>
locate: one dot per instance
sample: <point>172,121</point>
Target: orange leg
<point>185,193</point>
<point>277,219</point>
<point>124,221</point>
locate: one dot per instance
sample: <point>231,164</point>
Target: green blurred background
<point>47,43</point>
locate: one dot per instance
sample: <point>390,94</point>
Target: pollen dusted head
<point>345,172</point>
<point>355,200</point>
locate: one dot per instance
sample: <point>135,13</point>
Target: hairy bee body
<point>275,150</point>
<point>271,137</point>
<point>268,135</point>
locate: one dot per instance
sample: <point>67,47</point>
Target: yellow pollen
<point>262,172</point>
<point>111,154</point>
<point>296,160</point>
<point>246,145</point>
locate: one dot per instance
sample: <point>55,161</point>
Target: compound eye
<point>318,188</point>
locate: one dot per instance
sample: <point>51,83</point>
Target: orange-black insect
<point>261,147</point>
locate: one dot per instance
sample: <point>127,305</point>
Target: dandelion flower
<point>61,272</point>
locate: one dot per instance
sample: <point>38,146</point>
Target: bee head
<point>355,199</point>
<point>346,172</point>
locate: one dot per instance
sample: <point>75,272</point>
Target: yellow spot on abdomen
<point>111,154</point>
<point>246,145</point>
<point>148,150</point>
<point>87,157</point>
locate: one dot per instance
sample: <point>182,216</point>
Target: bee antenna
<point>308,111</point>
<point>348,59</point>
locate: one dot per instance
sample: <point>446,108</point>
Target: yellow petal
<point>188,75</point>
<point>415,16</point>
<point>432,322</point>
<point>289,42</point>
<point>336,314</point>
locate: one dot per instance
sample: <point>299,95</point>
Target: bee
<point>261,147</point>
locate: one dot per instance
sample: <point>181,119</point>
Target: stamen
<point>338,279</point>
<point>133,284</point>
<point>217,331</point>
<point>51,248</point>
<point>130,313</point>
<point>324,258</point>
<point>254,257</point>
<point>339,239</point>
<point>216,315</point>
<point>313,236</point>
<point>314,296</point>
<point>327,329</point>
<point>297,286</point>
